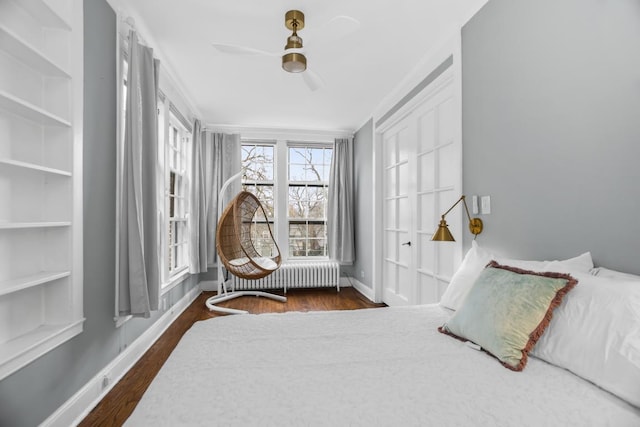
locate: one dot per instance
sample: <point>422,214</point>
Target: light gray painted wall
<point>363,171</point>
<point>33,393</point>
<point>551,127</point>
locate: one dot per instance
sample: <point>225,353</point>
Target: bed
<point>383,366</point>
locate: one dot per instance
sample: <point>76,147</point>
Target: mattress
<point>384,366</point>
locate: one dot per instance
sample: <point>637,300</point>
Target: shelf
<point>29,111</point>
<point>29,55</point>
<point>33,166</point>
<point>20,351</point>
<point>27,225</point>
<point>21,283</point>
<point>44,14</point>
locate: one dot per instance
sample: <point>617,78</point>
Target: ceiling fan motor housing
<point>294,20</point>
<point>294,62</point>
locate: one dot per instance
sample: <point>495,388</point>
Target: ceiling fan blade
<point>241,50</point>
<point>313,80</point>
<point>334,29</point>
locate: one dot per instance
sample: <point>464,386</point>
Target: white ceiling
<point>359,70</point>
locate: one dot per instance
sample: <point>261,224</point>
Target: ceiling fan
<point>293,56</point>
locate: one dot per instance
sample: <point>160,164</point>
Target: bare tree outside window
<point>306,194</point>
<point>257,171</point>
<point>307,206</point>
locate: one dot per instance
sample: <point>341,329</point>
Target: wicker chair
<point>233,239</point>
<point>236,250</point>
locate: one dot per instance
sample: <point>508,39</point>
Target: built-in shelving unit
<point>34,167</point>
<point>23,51</point>
<point>21,283</point>
<point>40,178</point>
<point>19,107</point>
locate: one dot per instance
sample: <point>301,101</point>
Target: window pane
<point>264,193</point>
<point>296,172</point>
<point>297,247</point>
<point>298,206</point>
<point>297,230</point>
<point>317,202</point>
<point>261,239</point>
<point>317,230</point>
<point>317,247</point>
<point>295,156</point>
<point>328,152</point>
<point>326,173</point>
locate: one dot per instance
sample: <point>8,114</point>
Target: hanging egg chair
<point>236,250</point>
<point>234,241</point>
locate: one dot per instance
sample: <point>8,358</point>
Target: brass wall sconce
<point>443,234</point>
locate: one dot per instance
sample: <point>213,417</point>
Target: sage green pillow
<point>507,310</point>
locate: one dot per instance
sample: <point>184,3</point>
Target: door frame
<point>408,96</point>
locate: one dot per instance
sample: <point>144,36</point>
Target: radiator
<point>295,275</point>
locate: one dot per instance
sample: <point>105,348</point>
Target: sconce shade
<point>443,234</point>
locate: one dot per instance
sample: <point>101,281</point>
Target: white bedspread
<point>387,366</point>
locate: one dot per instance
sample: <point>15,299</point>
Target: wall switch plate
<point>474,205</point>
<point>486,204</point>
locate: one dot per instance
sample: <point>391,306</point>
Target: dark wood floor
<point>120,402</point>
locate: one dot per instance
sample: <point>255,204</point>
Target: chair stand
<point>226,296</point>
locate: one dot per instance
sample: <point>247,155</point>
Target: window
<point>307,200</point>
<point>176,163</point>
<point>258,178</point>
<point>294,198</point>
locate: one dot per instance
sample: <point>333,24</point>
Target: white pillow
<point>477,258</point>
<point>580,264</point>
<point>462,280</point>
<point>595,333</point>
<point>613,274</point>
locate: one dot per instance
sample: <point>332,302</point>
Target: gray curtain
<point>340,205</point>
<point>221,159</point>
<point>139,251</point>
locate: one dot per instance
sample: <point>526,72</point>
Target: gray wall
<point>363,171</point>
<point>30,395</point>
<point>551,127</point>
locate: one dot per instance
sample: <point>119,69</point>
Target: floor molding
<point>208,285</point>
<point>80,404</point>
<point>359,286</point>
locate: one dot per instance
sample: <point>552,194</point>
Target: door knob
<point>406,244</point>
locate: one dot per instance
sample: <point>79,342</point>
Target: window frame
<point>280,225</point>
<point>324,184</point>
<point>169,117</point>
<point>248,184</point>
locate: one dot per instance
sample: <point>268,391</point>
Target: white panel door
<point>438,188</point>
<point>399,145</point>
<point>422,179</point>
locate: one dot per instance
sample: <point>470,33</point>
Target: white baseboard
<point>80,404</point>
<point>359,286</point>
<point>209,285</point>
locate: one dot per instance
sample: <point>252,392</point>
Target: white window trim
<point>172,117</point>
<point>296,144</point>
<point>282,141</point>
